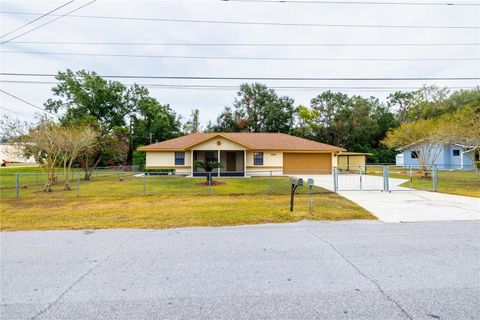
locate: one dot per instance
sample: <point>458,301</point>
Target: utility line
<point>12,111</point>
<point>48,22</point>
<point>255,78</point>
<point>24,101</point>
<point>359,2</point>
<point>243,44</point>
<point>260,23</point>
<point>36,19</point>
<point>208,86</point>
<point>232,58</point>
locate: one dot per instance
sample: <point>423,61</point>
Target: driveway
<point>306,270</point>
<point>402,204</point>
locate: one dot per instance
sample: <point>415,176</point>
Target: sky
<point>377,14</point>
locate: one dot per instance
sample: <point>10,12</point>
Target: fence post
<point>411,179</point>
<point>144,184</point>
<point>335,179</point>
<point>17,185</point>
<point>434,179</point>
<point>271,182</point>
<point>78,185</point>
<point>209,183</point>
<point>360,172</point>
<point>386,187</point>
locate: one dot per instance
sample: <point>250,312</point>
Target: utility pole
<point>151,135</point>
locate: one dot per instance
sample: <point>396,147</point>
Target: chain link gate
<point>385,178</point>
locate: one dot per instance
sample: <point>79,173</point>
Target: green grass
<point>108,202</point>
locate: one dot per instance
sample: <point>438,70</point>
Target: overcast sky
<point>211,102</point>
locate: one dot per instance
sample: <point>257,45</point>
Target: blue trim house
<point>449,157</point>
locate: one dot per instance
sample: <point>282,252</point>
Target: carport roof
<point>251,141</point>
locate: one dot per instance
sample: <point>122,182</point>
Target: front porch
<point>234,162</point>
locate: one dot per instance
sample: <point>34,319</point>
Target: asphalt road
<point>307,270</point>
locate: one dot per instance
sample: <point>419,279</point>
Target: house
<point>243,154</point>
<point>12,153</point>
<point>453,156</point>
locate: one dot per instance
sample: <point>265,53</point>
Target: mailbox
<point>310,182</point>
<point>295,182</point>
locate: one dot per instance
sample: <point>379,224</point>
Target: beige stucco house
<point>243,154</point>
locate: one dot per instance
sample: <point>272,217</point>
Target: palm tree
<point>208,166</point>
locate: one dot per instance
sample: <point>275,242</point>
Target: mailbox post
<point>310,183</point>
<point>295,182</point>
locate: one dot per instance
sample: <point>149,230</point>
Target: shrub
<point>152,172</point>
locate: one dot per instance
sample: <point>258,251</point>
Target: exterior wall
<point>351,162</point>
<point>446,159</point>
<point>166,160</point>
<point>272,161</point>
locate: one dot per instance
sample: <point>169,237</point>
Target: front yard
<point>118,201</point>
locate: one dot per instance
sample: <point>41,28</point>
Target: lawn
<point>118,201</point>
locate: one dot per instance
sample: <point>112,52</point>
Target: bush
<point>477,163</point>
<point>152,172</point>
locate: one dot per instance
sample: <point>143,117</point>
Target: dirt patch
<point>213,183</point>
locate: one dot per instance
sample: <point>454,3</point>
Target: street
<point>305,270</point>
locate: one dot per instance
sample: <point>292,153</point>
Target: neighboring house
<point>12,154</point>
<point>450,157</point>
<point>243,154</point>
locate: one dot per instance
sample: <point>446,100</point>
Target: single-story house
<point>242,154</point>
<point>12,153</point>
<point>454,156</point>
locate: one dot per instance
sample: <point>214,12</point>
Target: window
<point>210,156</point>
<point>179,158</point>
<point>258,158</point>
<point>414,154</point>
<point>456,152</point>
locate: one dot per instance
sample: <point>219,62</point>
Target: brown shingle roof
<point>254,141</point>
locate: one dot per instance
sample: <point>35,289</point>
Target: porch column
<point>219,160</point>
<point>244,163</point>
<point>191,161</point>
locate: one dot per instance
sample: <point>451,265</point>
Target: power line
<point>12,111</point>
<point>48,22</point>
<point>212,86</point>
<point>242,44</point>
<point>231,57</point>
<point>36,19</point>
<point>259,23</point>
<point>256,78</point>
<point>24,101</point>
<point>359,2</point>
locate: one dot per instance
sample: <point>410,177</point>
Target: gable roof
<point>251,141</point>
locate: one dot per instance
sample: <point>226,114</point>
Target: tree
<point>257,109</point>
<point>192,125</point>
<point>154,122</point>
<point>208,166</point>
<point>426,136</point>
<point>85,98</point>
<point>352,122</point>
<point>463,127</point>
<point>72,141</point>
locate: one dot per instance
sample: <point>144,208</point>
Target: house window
<point>179,158</point>
<point>258,158</point>
<point>414,154</point>
<point>456,152</point>
<point>211,156</point>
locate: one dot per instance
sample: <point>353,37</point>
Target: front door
<point>231,161</point>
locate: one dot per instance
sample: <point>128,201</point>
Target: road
<point>306,270</point>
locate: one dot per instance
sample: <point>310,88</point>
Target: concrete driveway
<point>308,270</point>
<point>402,204</point>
